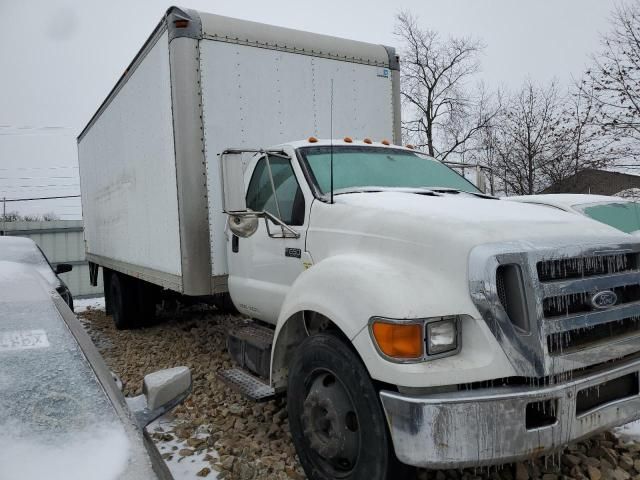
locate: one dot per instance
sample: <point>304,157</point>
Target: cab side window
<point>289,196</point>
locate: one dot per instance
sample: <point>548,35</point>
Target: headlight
<point>442,336</point>
<point>415,340</point>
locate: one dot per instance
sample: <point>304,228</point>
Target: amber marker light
<point>367,140</point>
<point>385,142</point>
<point>181,23</point>
<point>401,341</point>
<point>312,140</point>
<point>408,145</point>
<point>347,139</point>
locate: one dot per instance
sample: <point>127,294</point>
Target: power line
<point>39,198</point>
<point>59,167</point>
<point>45,185</point>
<point>33,178</point>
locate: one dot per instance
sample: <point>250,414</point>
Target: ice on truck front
<point>568,319</point>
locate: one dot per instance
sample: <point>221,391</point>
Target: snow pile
<point>99,454</point>
<point>83,304</point>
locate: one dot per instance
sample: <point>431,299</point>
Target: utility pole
<point>4,214</point>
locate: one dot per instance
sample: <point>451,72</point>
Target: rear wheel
<point>123,296</point>
<point>336,420</point>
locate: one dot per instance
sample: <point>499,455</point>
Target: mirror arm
<point>144,416</point>
<point>283,226</point>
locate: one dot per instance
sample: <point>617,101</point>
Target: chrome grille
<point>568,328</point>
<point>583,267</point>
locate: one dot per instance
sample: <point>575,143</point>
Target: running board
<point>247,385</point>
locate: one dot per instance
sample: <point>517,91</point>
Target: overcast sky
<point>60,58</point>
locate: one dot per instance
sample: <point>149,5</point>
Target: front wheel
<point>336,420</point>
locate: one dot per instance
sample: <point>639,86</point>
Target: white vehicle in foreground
<point>620,213</point>
<point>61,413</point>
<point>405,314</point>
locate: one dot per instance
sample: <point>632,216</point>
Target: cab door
<point>263,266</point>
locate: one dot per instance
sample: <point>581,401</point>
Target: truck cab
<point>455,302</point>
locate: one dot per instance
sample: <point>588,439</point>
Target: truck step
<point>247,385</point>
<point>250,347</point>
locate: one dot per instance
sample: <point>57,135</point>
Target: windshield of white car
<point>358,167</point>
<point>57,420</point>
<point>624,216</point>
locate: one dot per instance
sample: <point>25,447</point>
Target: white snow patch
<point>182,468</point>
<point>99,454</point>
<point>83,304</point>
<point>629,432</point>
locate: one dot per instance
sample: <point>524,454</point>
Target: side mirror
<point>161,391</point>
<point>63,268</point>
<point>481,180</point>
<point>232,174</point>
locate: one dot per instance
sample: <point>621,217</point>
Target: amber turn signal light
<point>399,340</point>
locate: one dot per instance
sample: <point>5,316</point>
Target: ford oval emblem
<point>604,299</point>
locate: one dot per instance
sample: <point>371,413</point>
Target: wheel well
<point>296,328</point>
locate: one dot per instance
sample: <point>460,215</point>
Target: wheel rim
<point>330,423</point>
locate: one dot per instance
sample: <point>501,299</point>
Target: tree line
<point>537,135</point>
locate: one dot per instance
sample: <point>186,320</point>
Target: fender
<point>349,289</point>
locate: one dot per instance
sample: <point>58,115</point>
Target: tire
<point>148,298</point>
<point>123,297</point>
<point>106,284</point>
<point>224,304</point>
<point>335,416</point>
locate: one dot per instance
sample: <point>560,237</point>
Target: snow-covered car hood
<point>57,421</point>
<point>461,218</point>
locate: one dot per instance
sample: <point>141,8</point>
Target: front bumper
<point>489,426</point>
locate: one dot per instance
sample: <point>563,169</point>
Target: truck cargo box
<point>149,157</point>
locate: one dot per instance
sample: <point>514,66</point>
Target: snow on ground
<point>182,467</point>
<point>82,304</point>
<point>629,432</point>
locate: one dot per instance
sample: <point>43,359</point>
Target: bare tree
<point>581,142</point>
<point>523,141</point>
<point>615,79</point>
<point>443,115</point>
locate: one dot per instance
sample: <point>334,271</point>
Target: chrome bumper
<point>489,426</point>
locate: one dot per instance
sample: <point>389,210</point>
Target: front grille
<point>581,338</point>
<point>582,267</point>
<point>575,303</point>
<point>553,308</point>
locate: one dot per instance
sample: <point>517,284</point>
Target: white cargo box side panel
<point>128,172</point>
<point>256,97</point>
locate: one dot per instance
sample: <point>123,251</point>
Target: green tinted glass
<point>377,167</point>
<point>623,216</point>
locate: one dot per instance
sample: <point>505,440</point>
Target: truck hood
<point>459,217</point>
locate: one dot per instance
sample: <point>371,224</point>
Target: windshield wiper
<point>457,190</point>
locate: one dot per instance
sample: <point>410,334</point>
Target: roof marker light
<point>408,145</point>
<point>385,142</point>
<point>347,139</point>
<point>368,141</point>
<point>312,140</point>
<point>181,23</point>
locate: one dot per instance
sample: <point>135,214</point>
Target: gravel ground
<point>242,440</point>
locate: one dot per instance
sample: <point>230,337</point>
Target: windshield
<point>25,251</point>
<point>57,420</point>
<point>379,167</point>
<point>624,216</point>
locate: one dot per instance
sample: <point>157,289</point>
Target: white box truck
<point>409,318</point>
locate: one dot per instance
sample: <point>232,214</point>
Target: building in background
<point>597,182</point>
<point>62,241</point>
